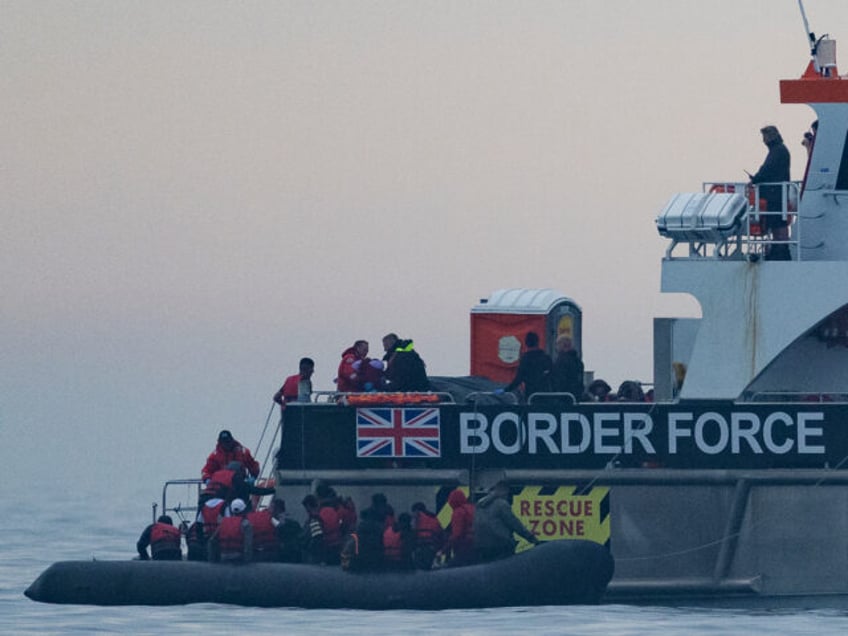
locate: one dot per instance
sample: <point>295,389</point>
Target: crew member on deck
<point>534,368</point>
<point>349,378</point>
<point>229,450</point>
<point>297,387</point>
<point>774,172</point>
<point>405,370</point>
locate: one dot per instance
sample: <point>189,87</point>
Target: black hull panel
<point>555,573</point>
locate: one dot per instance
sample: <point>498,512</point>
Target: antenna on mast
<point>822,50</point>
<point>810,35</point>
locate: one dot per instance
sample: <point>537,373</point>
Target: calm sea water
<point>37,531</point>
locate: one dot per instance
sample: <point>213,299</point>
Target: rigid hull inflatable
<point>556,573</point>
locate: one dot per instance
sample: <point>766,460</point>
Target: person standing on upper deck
<point>534,369</point>
<point>775,170</point>
<point>297,387</point>
<point>349,378</point>
<point>405,370</point>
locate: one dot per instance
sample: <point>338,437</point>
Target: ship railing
<point>547,397</point>
<point>190,490</point>
<point>728,221</point>
<point>474,397</point>
<point>797,396</point>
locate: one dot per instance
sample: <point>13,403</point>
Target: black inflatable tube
<point>554,573</point>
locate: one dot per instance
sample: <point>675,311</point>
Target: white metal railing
<point>749,240</point>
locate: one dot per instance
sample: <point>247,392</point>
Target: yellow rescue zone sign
<point>557,512</point>
<point>553,513</point>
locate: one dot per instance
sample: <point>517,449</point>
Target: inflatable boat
<point>554,573</point>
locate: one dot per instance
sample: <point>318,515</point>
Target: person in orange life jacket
<point>348,380</point>
<point>230,483</point>
<point>212,510</point>
<point>232,542</point>
<point>163,539</point>
<point>265,522</point>
<point>229,450</point>
<point>429,536</point>
<point>461,539</point>
<point>297,387</point>
<point>534,368</point>
<point>398,543</point>
<point>405,370</point>
<point>494,525</point>
<point>345,508</point>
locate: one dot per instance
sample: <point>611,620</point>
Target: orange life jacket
<point>264,533</point>
<point>231,535</point>
<point>164,538</point>
<point>392,545</point>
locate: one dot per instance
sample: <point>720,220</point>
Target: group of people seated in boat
<point>228,529</point>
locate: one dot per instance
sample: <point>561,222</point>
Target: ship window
<point>842,179</point>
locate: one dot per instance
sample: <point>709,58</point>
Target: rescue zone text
<point>627,432</point>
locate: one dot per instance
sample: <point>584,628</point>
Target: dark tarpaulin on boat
<point>469,388</point>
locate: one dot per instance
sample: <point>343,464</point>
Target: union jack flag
<point>400,432</point>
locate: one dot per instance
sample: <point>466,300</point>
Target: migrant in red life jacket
<point>226,451</point>
<point>398,543</point>
<point>265,544</point>
<point>233,540</point>
<point>331,525</point>
<point>428,529</point>
<point>461,539</point>
<point>210,515</point>
<point>220,483</point>
<point>163,539</point>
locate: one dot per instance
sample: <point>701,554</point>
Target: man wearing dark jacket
<point>405,370</point>
<point>775,170</point>
<point>534,368</point>
<point>494,525</point>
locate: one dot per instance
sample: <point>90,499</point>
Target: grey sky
<point>196,194</point>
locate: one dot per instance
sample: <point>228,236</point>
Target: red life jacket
<point>428,530</point>
<point>264,533</point>
<point>231,535</point>
<point>164,538</point>
<point>221,482</point>
<point>209,515</point>
<point>332,527</point>
<point>392,545</point>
